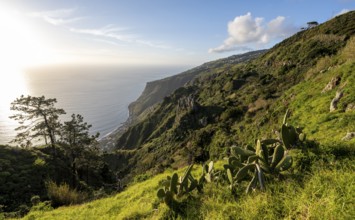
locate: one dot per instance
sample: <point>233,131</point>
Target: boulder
<point>348,136</point>
<point>334,102</point>
<point>332,84</point>
<point>350,107</point>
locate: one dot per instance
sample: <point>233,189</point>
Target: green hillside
<point>155,91</point>
<point>326,194</point>
<point>235,104</point>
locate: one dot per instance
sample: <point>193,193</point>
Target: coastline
<point>107,142</point>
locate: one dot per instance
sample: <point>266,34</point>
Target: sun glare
<point>20,46</point>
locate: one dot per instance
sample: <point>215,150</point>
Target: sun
<point>20,45</point>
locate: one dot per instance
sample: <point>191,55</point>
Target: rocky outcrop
<point>332,84</point>
<point>350,107</point>
<point>187,104</point>
<point>334,102</point>
<point>348,136</point>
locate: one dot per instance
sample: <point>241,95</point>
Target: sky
<point>157,32</point>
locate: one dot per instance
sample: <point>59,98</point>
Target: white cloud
<point>246,32</point>
<point>109,31</point>
<point>57,17</point>
<point>112,32</point>
<point>63,17</point>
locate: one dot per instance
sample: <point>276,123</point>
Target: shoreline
<point>107,142</point>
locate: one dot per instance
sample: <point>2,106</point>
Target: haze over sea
<point>99,93</point>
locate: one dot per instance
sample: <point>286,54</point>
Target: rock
<point>257,105</point>
<point>334,102</point>
<point>187,103</point>
<point>203,121</point>
<point>350,107</point>
<point>332,84</point>
<point>348,136</point>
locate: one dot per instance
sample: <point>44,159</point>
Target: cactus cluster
<point>177,186</point>
<point>269,157</point>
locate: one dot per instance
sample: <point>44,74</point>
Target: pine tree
<point>38,118</point>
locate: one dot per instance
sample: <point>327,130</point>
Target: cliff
<point>155,91</point>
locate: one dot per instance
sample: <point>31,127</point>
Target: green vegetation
<point>38,118</point>
<point>68,170</point>
<point>228,104</point>
<point>326,192</point>
<point>238,103</point>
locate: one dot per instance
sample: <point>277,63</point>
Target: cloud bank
<point>246,32</point>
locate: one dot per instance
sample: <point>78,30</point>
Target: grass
<point>327,193</point>
<point>311,107</point>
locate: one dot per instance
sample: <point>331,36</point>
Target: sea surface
<point>101,94</point>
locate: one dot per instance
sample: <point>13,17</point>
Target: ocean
<point>101,94</point>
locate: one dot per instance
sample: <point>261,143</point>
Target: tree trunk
<point>51,135</point>
<point>73,169</point>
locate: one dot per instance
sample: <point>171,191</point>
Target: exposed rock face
<point>334,102</point>
<point>257,105</point>
<point>187,103</point>
<point>332,84</point>
<point>350,107</point>
<point>349,136</point>
<point>203,121</point>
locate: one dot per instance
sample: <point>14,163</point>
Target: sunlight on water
<point>101,94</point>
<point>12,85</point>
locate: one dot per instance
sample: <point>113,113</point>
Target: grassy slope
<point>327,194</point>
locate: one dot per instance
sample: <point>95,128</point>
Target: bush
<point>35,200</point>
<point>141,177</point>
<point>42,206</point>
<point>63,195</point>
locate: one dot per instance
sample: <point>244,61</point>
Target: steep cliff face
<point>234,103</point>
<point>155,91</point>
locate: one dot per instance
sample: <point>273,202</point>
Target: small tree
<point>75,134</point>
<point>38,117</point>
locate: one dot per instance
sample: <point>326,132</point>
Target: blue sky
<point>169,32</point>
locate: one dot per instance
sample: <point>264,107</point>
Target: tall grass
<point>63,195</point>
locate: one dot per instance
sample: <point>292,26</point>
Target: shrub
<point>141,177</point>
<point>42,206</point>
<point>35,200</point>
<point>63,195</point>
